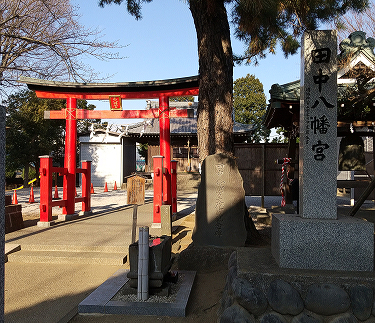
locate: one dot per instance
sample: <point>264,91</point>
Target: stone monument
<point>317,238</point>
<point>220,207</point>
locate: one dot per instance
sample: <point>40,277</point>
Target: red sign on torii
<point>161,89</point>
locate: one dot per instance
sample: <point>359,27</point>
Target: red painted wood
<point>108,114</point>
<point>70,156</point>
<point>45,189</point>
<point>174,185</point>
<point>86,182</point>
<point>165,147</point>
<point>158,188</point>
<point>124,95</point>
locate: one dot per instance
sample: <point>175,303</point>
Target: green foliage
<point>188,98</point>
<point>83,126</point>
<point>28,134</point>
<point>262,24</point>
<point>142,150</point>
<point>249,103</point>
<point>281,138</point>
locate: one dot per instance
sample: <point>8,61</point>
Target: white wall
<point>107,168</point>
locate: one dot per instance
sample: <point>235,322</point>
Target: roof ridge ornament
<point>357,42</point>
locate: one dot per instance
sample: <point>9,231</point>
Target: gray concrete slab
<point>258,265</point>
<point>101,300</point>
<point>51,292</point>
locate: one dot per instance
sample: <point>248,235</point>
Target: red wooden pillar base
<point>86,190</point>
<point>174,185</point>
<point>45,191</point>
<point>158,188</point>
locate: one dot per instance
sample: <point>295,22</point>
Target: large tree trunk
<point>215,123</point>
<point>215,107</point>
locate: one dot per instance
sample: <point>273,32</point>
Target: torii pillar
<point>161,89</point>
<point>165,147</point>
<point>70,160</point>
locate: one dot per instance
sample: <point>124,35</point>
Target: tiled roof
<point>179,125</point>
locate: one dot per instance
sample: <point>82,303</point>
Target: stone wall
<point>266,297</point>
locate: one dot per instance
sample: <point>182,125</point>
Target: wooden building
<point>113,153</point>
<point>356,69</point>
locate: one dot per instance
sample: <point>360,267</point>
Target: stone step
<point>65,257</point>
<point>75,248</point>
<point>264,219</point>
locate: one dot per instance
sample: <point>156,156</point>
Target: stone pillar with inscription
<point>317,238</point>
<point>318,130</point>
<point>220,208</point>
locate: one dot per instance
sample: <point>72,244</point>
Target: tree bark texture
<point>215,122</point>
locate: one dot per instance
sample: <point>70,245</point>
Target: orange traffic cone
<point>56,195</point>
<point>115,187</point>
<point>31,198</point>
<point>105,187</point>
<point>14,200</point>
<point>92,189</point>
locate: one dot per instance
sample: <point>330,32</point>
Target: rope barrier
<point>286,161</point>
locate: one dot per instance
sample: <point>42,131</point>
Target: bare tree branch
<point>43,38</point>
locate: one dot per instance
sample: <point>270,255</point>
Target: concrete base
<point>67,217</point>
<point>100,301</point>
<point>45,224</point>
<point>346,243</point>
<point>10,248</point>
<point>86,213</point>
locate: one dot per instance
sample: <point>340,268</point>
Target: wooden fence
<point>256,163</point>
<point>250,160</point>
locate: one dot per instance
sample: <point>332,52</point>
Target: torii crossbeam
<point>160,89</point>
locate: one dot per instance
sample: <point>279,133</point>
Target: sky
<point>163,45</point>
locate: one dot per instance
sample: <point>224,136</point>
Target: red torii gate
<point>160,89</point>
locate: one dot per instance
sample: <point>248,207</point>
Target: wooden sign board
<point>136,190</point>
<point>115,102</point>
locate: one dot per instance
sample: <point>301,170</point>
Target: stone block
<point>283,298</point>
<point>8,200</point>
<point>159,260</point>
<point>346,243</point>
<point>236,313</point>
<point>13,218</point>
<point>220,207</point>
<point>362,299</point>
<point>306,318</point>
<point>327,299</point>
<point>273,317</point>
<point>249,297</point>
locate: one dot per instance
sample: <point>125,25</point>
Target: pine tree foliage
<point>262,24</point>
<point>249,104</point>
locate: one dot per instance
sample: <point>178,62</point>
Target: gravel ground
<point>100,201</point>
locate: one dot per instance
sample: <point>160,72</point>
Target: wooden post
<point>134,227</point>
<point>263,174</point>
<point>135,187</point>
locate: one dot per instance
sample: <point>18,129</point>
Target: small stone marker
<point>220,207</point>
<point>135,187</point>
